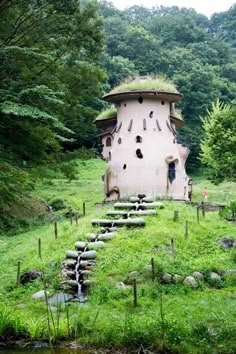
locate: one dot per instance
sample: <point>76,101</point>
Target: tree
<point>219,143</point>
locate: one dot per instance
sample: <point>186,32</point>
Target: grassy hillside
<point>172,316</point>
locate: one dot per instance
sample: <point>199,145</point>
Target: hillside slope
<point>171,316</point>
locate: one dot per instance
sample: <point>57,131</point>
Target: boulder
<point>177,278</point>
<point>96,245</point>
<point>29,276</point>
<point>215,277</point>
<point>227,242</point>
<point>130,277</point>
<point>80,245</point>
<point>198,275</point>
<point>107,236</point>
<point>72,254</point>
<point>60,298</point>
<point>190,281</point>
<point>86,264</point>
<point>121,285</point>
<point>230,273</point>
<point>88,255</point>
<point>39,295</point>
<point>166,278</point>
<point>69,263</point>
<point>91,237</point>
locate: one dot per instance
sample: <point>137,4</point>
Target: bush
<point>57,204</point>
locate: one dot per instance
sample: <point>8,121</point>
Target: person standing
<point>205,195</point>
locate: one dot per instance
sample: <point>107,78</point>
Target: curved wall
<point>149,174</point>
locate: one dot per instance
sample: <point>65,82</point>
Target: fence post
<point>39,248</point>
<point>55,230</point>
<point>203,210</point>
<point>176,215</point>
<point>135,293</point>
<point>76,219</point>
<point>186,229</point>
<point>18,275</point>
<point>84,209</point>
<point>198,214</point>
<point>153,269</point>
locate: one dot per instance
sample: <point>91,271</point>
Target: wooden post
<point>176,215</point>
<point>203,210</point>
<point>186,229</point>
<point>76,219</point>
<point>135,293</point>
<point>39,248</point>
<point>172,244</point>
<point>71,219</point>
<point>55,229</point>
<point>18,275</point>
<point>198,214</point>
<point>83,208</point>
<point>153,269</point>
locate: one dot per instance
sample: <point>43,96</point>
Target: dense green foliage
<point>49,54</point>
<point>196,53</point>
<point>219,144</point>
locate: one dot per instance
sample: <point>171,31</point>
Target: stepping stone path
<point>79,263</point>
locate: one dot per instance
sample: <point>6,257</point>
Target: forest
<point>59,57</point>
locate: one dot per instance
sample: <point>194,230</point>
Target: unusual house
<point>139,141</point>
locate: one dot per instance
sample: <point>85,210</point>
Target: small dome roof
<point>147,86</point>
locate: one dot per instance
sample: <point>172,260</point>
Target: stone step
<point>132,212</point>
<point>154,205</point>
<point>120,222</point>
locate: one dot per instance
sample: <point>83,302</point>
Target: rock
<point>215,276</point>
<point>177,278</point>
<point>72,254</point>
<point>60,298</point>
<point>68,273</point>
<point>80,245</point>
<point>227,242</point>
<point>190,281</point>
<point>198,275</point>
<point>121,285</point>
<point>30,275</point>
<point>71,283</point>
<point>130,277</point>
<point>230,273</point>
<point>39,295</point>
<point>88,255</point>
<point>91,237</point>
<point>96,245</point>
<point>166,278</point>
<point>147,270</point>
<point>69,263</point>
<point>107,236</point>
<point>86,264</point>
<point>86,272</point>
<point>87,283</point>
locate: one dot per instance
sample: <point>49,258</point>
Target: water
<point>43,351</point>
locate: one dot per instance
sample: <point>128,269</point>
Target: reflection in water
<point>42,351</point>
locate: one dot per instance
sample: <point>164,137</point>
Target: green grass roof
<point>107,114</point>
<point>155,83</point>
<point>177,114</point>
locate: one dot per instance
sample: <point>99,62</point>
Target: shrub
<point>57,204</point>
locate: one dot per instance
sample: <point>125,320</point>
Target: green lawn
<point>173,316</point>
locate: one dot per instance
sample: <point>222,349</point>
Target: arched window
<point>108,141</point>
<point>171,171</point>
<point>139,139</point>
<point>140,99</point>
<point>139,154</point>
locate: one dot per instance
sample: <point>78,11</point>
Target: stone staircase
<point>79,263</point>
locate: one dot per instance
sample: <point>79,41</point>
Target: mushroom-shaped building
<point>139,141</point>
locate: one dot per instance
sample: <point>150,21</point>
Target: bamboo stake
<point>135,293</point>
<point>55,230</point>
<point>18,275</point>
<point>39,248</point>
<point>153,269</point>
